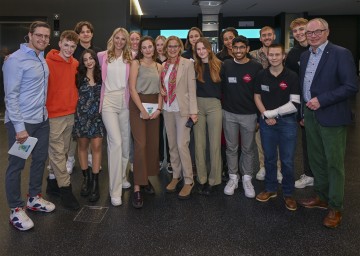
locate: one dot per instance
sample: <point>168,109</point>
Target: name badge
<point>232,80</point>
<point>265,88</point>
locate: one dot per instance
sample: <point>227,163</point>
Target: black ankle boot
<point>86,185</point>
<point>94,193</point>
<point>68,199</point>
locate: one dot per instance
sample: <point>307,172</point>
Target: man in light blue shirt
<point>25,82</point>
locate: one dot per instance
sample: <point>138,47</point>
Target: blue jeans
<point>283,135</point>
<point>39,156</point>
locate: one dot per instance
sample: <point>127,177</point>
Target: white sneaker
<point>304,181</point>
<point>116,201</point>
<point>125,184</point>
<point>70,163</point>
<point>90,160</point>
<point>20,220</point>
<point>279,176</point>
<point>231,185</point>
<point>261,174</point>
<point>39,204</point>
<point>248,186</point>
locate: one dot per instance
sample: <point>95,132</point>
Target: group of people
<point>139,86</point>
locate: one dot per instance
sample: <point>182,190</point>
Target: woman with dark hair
<point>193,35</point>
<point>226,37</point>
<point>180,113</point>
<point>145,106</point>
<point>208,92</point>
<point>88,127</point>
<point>115,68</point>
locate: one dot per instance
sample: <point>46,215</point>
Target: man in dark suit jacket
<point>328,78</point>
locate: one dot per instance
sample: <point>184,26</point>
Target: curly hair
<point>81,75</point>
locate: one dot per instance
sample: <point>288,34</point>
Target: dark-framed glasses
<point>317,32</point>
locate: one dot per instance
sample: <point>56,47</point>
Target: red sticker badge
<point>247,78</point>
<point>283,85</point>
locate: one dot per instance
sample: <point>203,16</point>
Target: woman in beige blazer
<point>180,108</point>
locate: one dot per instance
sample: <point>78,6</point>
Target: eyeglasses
<point>237,48</point>
<point>41,36</point>
<point>317,32</point>
<point>173,46</point>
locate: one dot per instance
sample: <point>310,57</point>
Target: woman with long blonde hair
<point>114,102</point>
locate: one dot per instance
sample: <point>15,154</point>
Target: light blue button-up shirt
<point>311,67</point>
<point>25,82</point>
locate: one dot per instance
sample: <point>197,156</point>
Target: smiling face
<point>67,48</point>
<point>193,37</point>
<point>147,49</point>
<point>89,61</point>
<point>173,49</point>
<point>299,34</point>
<point>202,52</point>
<point>228,37</point>
<point>39,40</point>
<point>134,41</point>
<point>276,56</point>
<point>319,33</point>
<point>239,51</point>
<point>119,41</point>
<point>85,35</point>
<point>267,37</point>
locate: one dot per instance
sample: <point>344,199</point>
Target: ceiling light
<point>138,7</point>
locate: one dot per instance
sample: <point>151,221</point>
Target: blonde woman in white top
<point>114,100</point>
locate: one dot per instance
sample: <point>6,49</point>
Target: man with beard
<point>26,83</point>
<point>239,115</point>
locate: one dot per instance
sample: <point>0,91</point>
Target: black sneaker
<point>52,187</point>
<point>68,200</point>
<point>149,189</point>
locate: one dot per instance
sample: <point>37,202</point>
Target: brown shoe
<point>332,219</point>
<point>314,202</point>
<point>186,191</point>
<point>290,203</point>
<point>265,196</point>
<point>172,185</point>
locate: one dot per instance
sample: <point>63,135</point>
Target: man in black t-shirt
<point>239,115</point>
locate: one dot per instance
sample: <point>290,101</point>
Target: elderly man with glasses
<point>328,79</point>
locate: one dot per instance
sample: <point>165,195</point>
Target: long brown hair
<point>214,63</point>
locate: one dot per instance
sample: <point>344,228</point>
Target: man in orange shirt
<point>61,104</point>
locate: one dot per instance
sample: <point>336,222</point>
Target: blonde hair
<point>298,22</point>
<point>177,40</point>
<point>111,47</point>
<point>214,63</point>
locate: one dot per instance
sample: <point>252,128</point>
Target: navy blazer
<point>335,80</point>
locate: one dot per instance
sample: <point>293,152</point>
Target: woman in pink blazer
<point>114,107</point>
